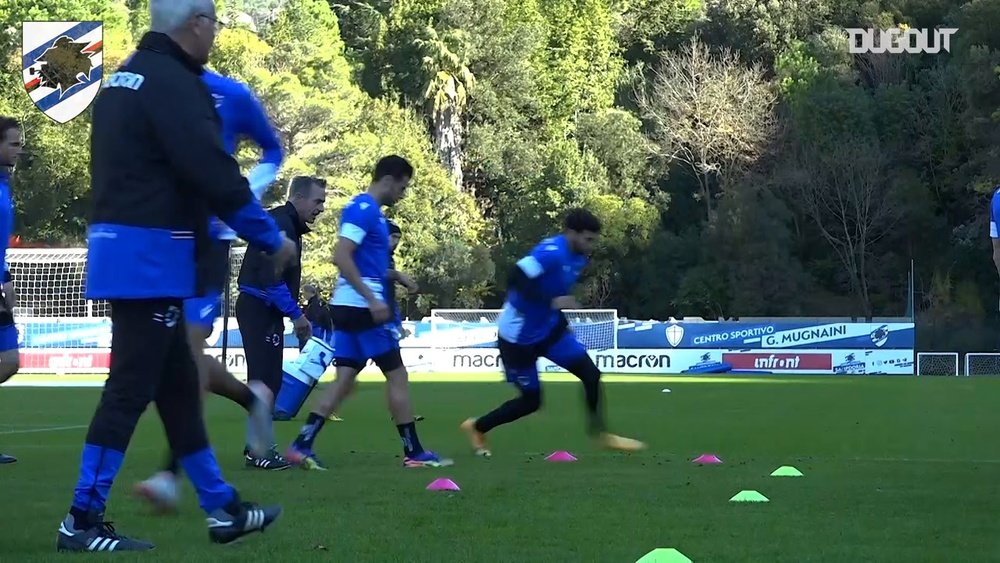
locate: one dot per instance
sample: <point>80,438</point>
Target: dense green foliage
<point>744,163</point>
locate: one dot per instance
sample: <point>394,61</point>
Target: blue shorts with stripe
<point>358,339</point>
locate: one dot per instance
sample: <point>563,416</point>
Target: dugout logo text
<point>899,40</point>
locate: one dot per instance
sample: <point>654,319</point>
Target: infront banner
<point>659,361</point>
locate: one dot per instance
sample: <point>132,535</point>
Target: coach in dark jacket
<point>266,297</point>
<point>158,168</point>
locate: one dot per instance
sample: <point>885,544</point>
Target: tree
<point>761,30</point>
<point>449,82</point>
<point>844,187</point>
<point>710,113</point>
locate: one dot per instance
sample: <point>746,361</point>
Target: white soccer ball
<point>160,491</point>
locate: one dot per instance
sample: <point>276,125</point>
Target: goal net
<point>50,283</point>
<point>937,363</point>
<point>59,329</point>
<point>236,255</point>
<point>597,329</point>
<point>982,363</point>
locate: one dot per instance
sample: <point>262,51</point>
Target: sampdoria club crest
<point>62,65</point>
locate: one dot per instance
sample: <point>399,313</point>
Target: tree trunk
<point>448,142</point>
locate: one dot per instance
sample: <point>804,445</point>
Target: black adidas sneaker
<point>100,536</point>
<point>231,523</point>
<point>273,461</point>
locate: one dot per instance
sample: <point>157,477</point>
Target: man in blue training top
<point>11,145</point>
<point>532,325</point>
<point>242,117</point>
<point>363,320</point>
<point>158,172</point>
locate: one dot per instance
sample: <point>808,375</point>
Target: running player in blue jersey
<point>532,325</point>
<point>242,117</point>
<point>362,319</point>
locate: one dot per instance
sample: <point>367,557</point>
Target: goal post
<point>982,363</point>
<point>597,329</point>
<point>60,331</point>
<point>938,363</point>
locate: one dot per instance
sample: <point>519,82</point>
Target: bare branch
<point>708,112</point>
<point>843,187</point>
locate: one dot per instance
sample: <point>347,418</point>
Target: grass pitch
<point>896,469</point>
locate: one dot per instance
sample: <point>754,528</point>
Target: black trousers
<point>262,328</point>
<point>150,361</point>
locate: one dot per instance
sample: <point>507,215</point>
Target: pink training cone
<point>443,485</point>
<point>561,455</point>
<point>707,459</point>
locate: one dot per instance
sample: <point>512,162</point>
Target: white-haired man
<point>159,171</point>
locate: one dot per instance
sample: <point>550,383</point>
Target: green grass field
<point>896,469</point>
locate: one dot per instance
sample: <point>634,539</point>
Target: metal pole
<point>225,308</point>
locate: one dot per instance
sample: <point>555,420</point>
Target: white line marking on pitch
<point>50,429</point>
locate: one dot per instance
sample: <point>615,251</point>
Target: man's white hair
<point>167,16</point>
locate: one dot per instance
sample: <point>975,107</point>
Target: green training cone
<point>749,496</point>
<point>664,555</point>
<point>786,471</point>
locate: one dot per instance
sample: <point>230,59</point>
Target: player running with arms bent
<point>532,325</point>
<point>363,321</point>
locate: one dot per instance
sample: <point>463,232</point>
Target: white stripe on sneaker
<point>93,543</point>
<point>114,544</point>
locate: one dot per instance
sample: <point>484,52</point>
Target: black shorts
<point>526,355</point>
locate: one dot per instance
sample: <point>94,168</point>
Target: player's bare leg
<point>255,398</point>
<point>333,416</point>
<point>161,489</point>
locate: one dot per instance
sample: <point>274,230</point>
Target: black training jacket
<point>258,276</point>
<point>158,170</point>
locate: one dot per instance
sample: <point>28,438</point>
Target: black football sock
<point>510,411</point>
<point>308,433</point>
<point>590,376</point>
<point>81,518</point>
<point>411,443</point>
